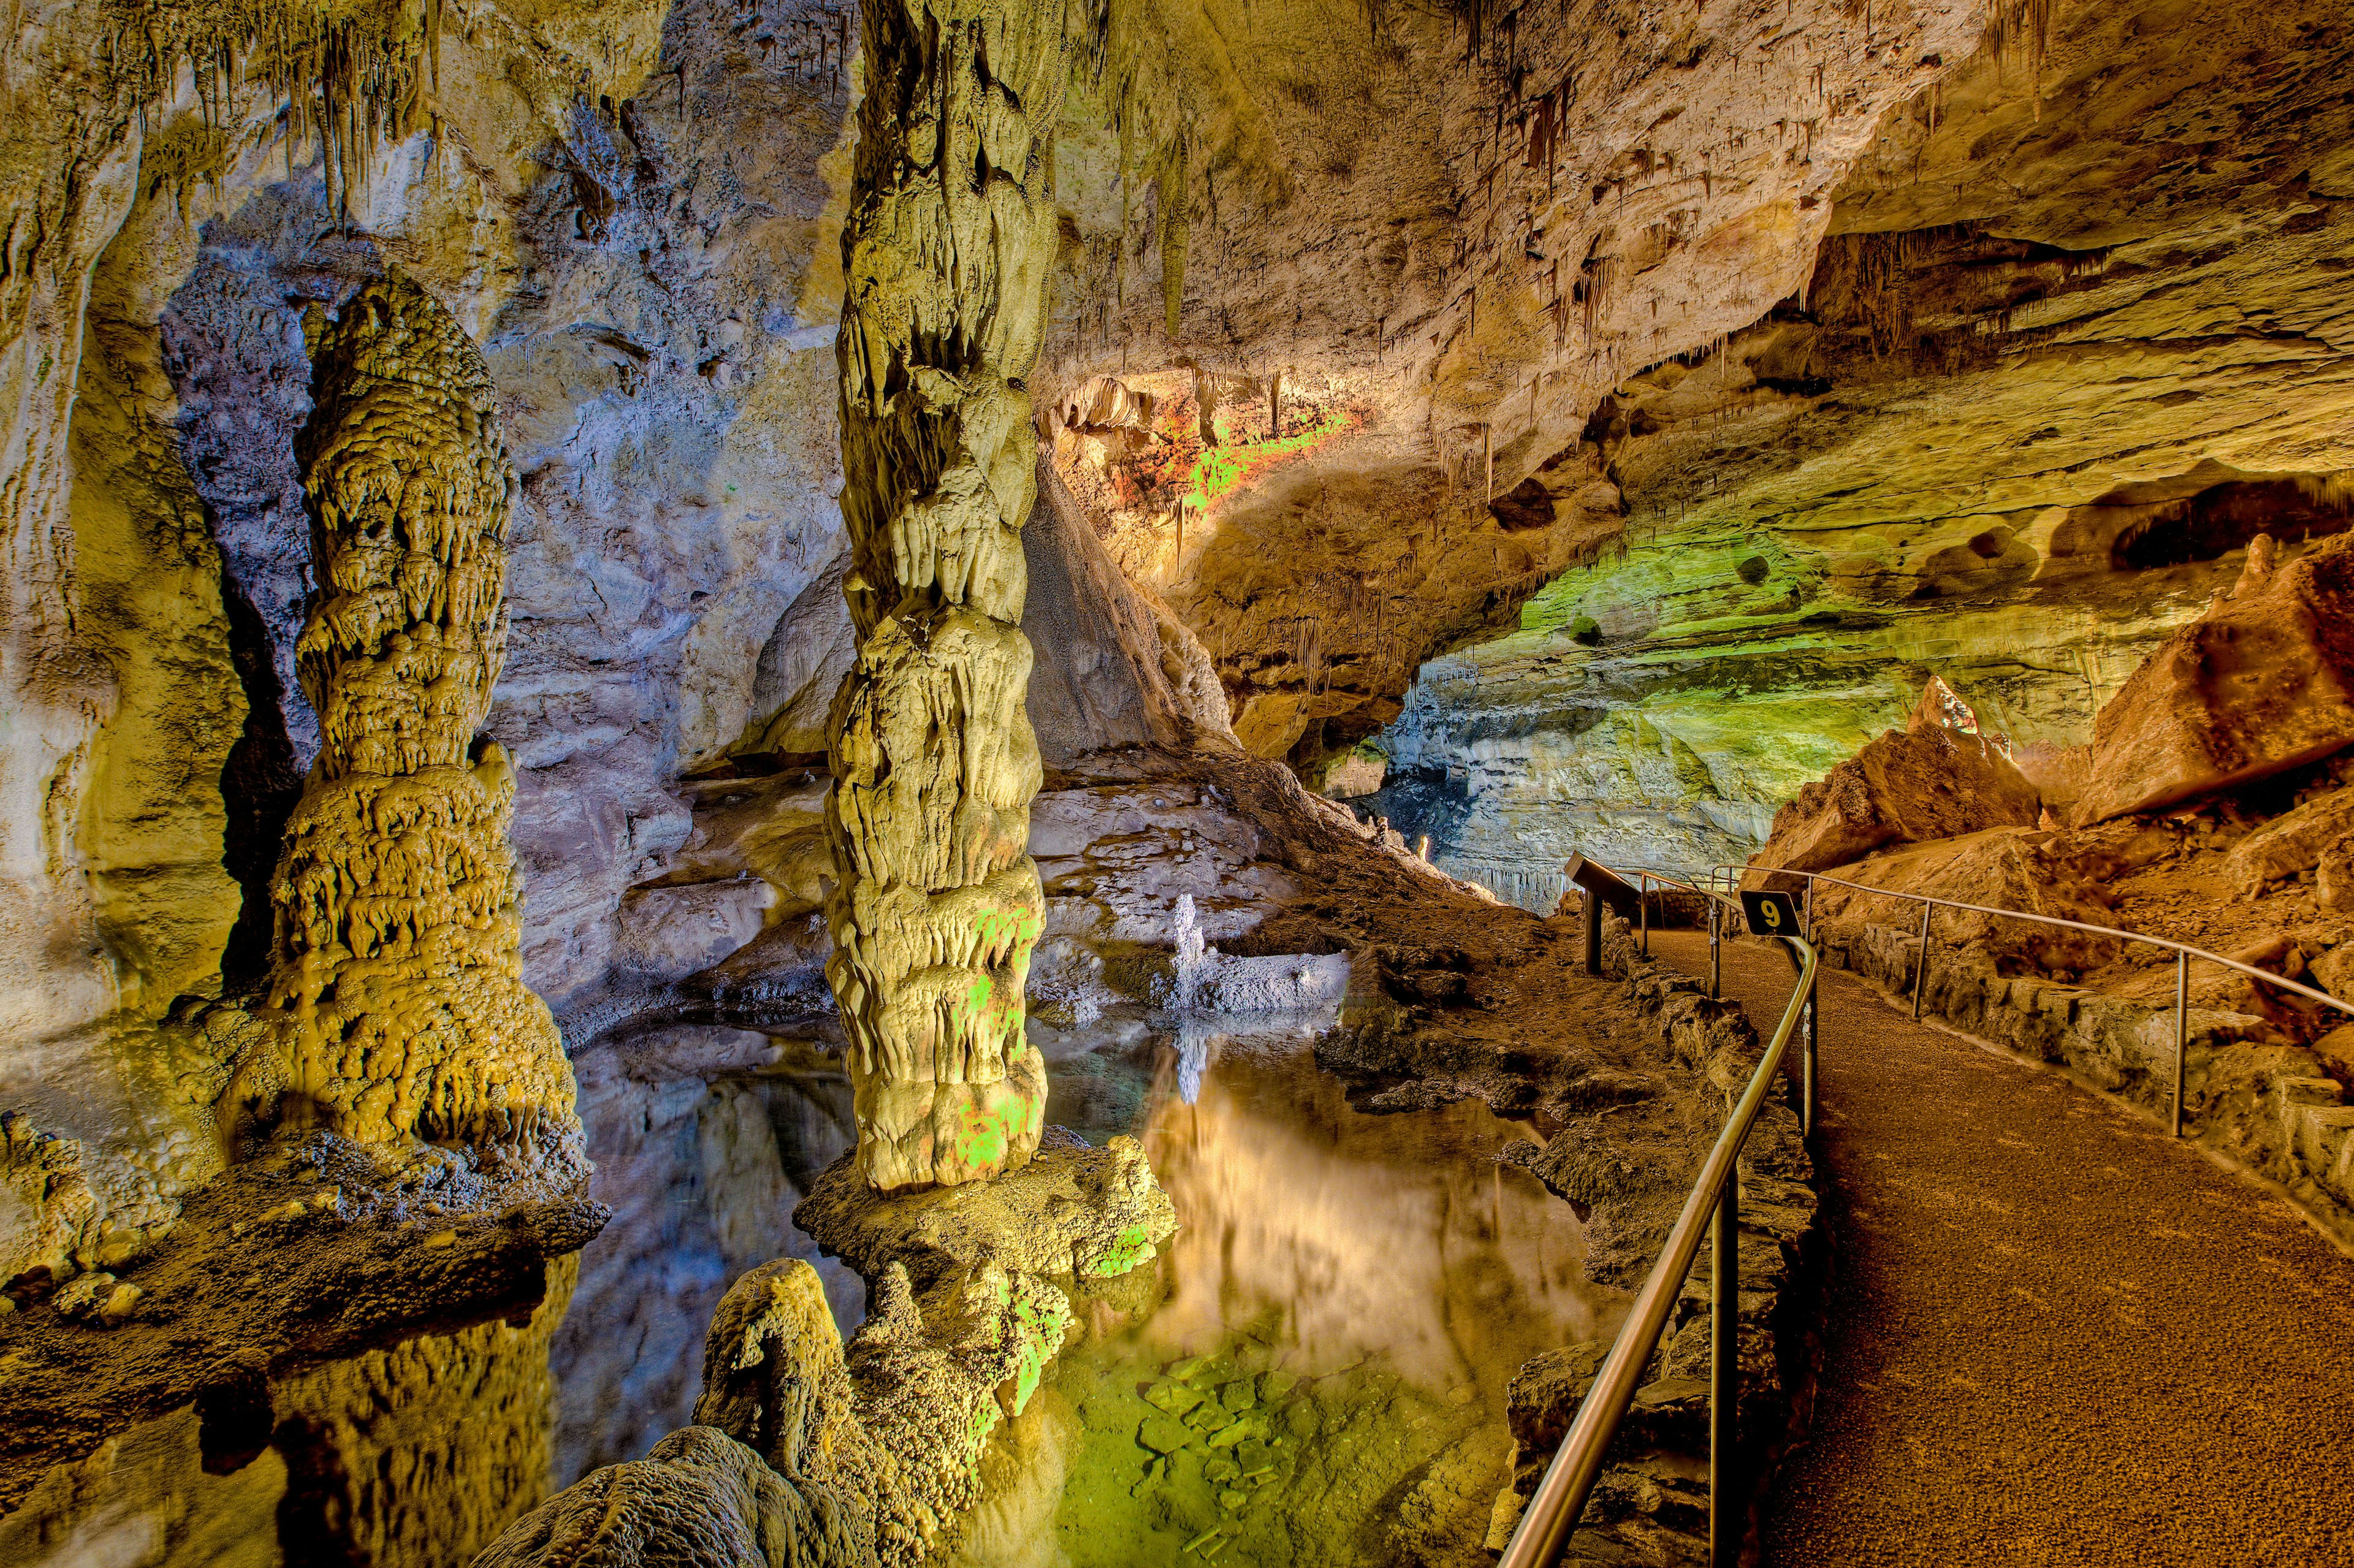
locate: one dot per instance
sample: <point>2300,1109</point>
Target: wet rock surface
<point>1096,1212</point>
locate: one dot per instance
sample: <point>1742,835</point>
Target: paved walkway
<point>2053,1335</point>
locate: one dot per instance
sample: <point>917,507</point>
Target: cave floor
<point>2053,1335</point>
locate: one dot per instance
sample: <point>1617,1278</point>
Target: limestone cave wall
<point>631,211</point>
<point>2078,333</point>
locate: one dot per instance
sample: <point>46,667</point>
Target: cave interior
<point>761,802</point>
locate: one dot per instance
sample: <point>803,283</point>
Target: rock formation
<point>2261,684</point>
<point>800,1458</point>
<point>1936,777</point>
<point>698,1496</point>
<point>1977,443</point>
<point>2216,814</point>
<point>831,1460</point>
<point>397,1006</point>
<point>947,252</point>
<point>1124,671</point>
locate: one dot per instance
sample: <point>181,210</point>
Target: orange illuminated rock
<point>2262,683</point>
<point>1935,778</point>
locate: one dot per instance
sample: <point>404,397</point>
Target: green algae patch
<point>986,1131</point>
<point>1130,1248</point>
<point>1041,1329</point>
<point>1219,470</point>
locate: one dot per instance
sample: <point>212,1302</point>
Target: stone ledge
<point>1071,1211</point>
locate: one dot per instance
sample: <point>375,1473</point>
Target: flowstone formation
<point>397,1006</point>
<point>947,252</point>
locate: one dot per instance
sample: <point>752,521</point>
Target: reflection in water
<point>418,1454</point>
<point>1194,1038</point>
<point>1321,1379</point>
<point>411,1456</point>
<point>1314,1374</point>
<point>1350,1235</point>
<point>703,1176</point>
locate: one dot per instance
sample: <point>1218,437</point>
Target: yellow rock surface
<point>397,1005</point>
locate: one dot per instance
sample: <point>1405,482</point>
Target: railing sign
<point>1771,914</point>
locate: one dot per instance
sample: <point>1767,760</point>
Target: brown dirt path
<point>2053,1335</point>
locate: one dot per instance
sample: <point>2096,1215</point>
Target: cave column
<point>946,254</point>
<point>397,1006</point>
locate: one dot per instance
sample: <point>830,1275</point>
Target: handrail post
<point>1716,947</point>
<point>2182,1031</point>
<point>1812,1043</point>
<point>1921,964</point>
<point>1724,1532</point>
<point>1593,932</point>
<point>1807,1062</point>
<point>1643,907</point>
<point>1553,1511</point>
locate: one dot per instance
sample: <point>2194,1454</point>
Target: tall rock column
<point>397,1001</point>
<point>947,253</point>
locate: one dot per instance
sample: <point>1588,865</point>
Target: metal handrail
<point>1553,1512</point>
<point>2183,951</point>
<point>1560,1501</point>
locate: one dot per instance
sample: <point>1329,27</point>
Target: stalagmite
<point>947,252</point>
<point>397,1005</point>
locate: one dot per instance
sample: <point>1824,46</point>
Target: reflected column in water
<point>702,1174</point>
<point>415,1457</point>
<point>409,1457</point>
<point>1347,1235</point>
<point>143,1500</point>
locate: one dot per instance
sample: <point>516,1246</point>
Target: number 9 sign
<point>1770,914</point>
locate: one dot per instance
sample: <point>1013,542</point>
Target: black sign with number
<point>1771,914</point>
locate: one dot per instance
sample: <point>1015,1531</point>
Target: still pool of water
<point>1321,1380</point>
<point>1312,1373</point>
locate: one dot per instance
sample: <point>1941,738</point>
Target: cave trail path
<point>2052,1334</point>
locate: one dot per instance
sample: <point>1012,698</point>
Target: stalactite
<point>949,250</point>
<point>1174,200</point>
<point>352,80</point>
